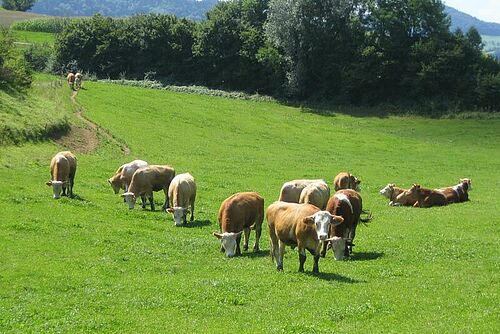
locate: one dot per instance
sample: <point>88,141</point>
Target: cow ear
<point>109,181</point>
<point>337,219</point>
<point>170,210</point>
<point>49,183</point>
<point>308,220</point>
<point>122,195</point>
<point>217,235</point>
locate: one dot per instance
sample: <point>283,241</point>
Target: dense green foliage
<point>193,9</point>
<point>350,51</point>
<point>14,72</point>
<point>19,5</point>
<point>50,25</point>
<point>89,264</point>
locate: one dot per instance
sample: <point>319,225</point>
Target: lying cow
<point>316,193</point>
<point>238,214</point>
<point>182,194</point>
<point>291,190</point>
<point>301,225</point>
<point>457,193</point>
<point>71,80</point>
<point>62,171</point>
<point>348,204</point>
<point>123,175</point>
<point>146,180</point>
<point>427,198</point>
<point>346,181</point>
<point>398,196</point>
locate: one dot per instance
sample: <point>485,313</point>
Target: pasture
<point>33,36</point>
<point>89,264</point>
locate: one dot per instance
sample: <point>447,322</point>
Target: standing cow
<point>182,194</point>
<point>238,214</point>
<point>291,190</point>
<point>302,225</point>
<point>146,180</point>
<point>346,180</point>
<point>78,80</point>
<point>123,175</point>
<point>71,80</point>
<point>316,193</point>
<point>62,171</point>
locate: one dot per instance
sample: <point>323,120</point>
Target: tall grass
<point>52,24</point>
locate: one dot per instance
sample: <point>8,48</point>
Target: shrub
<point>14,71</point>
<point>38,56</point>
<point>488,89</point>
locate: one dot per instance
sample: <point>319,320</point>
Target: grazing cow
<point>238,214</point>
<point>146,180</point>
<point>316,193</point>
<point>398,196</point>
<point>62,171</point>
<point>457,193</point>
<point>182,193</point>
<point>123,175</point>
<point>346,181</point>
<point>427,198</point>
<point>71,80</point>
<point>291,190</point>
<point>301,225</point>
<point>78,80</point>
<point>348,204</point>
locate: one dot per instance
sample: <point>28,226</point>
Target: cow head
<point>414,190</point>
<point>388,190</point>
<point>338,246</point>
<point>56,187</point>
<point>115,184</point>
<point>179,214</point>
<point>322,221</point>
<point>467,183</point>
<point>229,241</point>
<point>130,199</point>
<point>356,184</point>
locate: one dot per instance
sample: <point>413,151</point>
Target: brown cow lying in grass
<point>427,198</point>
<point>301,225</point>
<point>238,214</point>
<point>346,180</point>
<point>398,196</point>
<point>62,171</point>
<point>457,193</point>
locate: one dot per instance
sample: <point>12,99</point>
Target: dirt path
<point>86,140</point>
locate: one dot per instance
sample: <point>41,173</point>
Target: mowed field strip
<point>89,264</point>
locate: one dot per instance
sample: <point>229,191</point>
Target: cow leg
<point>258,232</point>
<point>166,204</point>
<point>246,232</point>
<point>143,200</point>
<point>192,211</point>
<point>281,253</point>
<point>315,266</point>
<point>238,249</point>
<point>324,248</point>
<point>302,259</point>
<point>152,202</point>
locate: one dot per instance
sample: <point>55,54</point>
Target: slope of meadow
<point>90,264</point>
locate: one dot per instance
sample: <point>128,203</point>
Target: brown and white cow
<point>62,172</point>
<point>146,180</point>
<point>427,198</point>
<point>316,193</point>
<point>71,80</point>
<point>301,225</point>
<point>123,175</point>
<point>348,204</point>
<point>182,194</point>
<point>345,180</point>
<point>457,193</point>
<point>397,196</point>
<point>78,80</point>
<point>238,214</point>
<point>291,190</point>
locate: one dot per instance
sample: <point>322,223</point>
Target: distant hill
<point>465,21</point>
<point>193,9</point>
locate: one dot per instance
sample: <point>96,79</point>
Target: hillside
<point>465,21</point>
<point>193,9</point>
<point>7,17</point>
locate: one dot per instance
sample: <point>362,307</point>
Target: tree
<point>20,5</point>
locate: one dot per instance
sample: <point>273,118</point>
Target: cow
<point>316,193</point>
<point>62,171</point>
<point>346,180</point>
<point>78,80</point>
<point>397,196</point>
<point>71,80</point>
<point>123,175</point>
<point>427,198</point>
<point>146,180</point>
<point>457,193</point>
<point>238,214</point>
<point>302,225</point>
<point>291,190</point>
<point>182,194</point>
<point>348,204</point>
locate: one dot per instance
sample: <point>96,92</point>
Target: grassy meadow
<point>89,264</point>
<point>33,36</point>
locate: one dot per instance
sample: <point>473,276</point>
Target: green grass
<point>91,265</point>
<point>33,37</point>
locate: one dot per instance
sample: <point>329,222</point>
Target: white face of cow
<point>387,191</point>
<point>229,242</point>
<point>357,184</point>
<point>338,246</point>
<point>130,199</point>
<point>322,221</point>
<point>56,188</point>
<point>179,213</point>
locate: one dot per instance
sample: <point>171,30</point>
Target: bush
<point>38,56</point>
<point>14,71</point>
<point>488,89</point>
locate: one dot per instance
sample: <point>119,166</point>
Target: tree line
<point>347,51</point>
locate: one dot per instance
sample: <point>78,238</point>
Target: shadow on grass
<point>77,198</point>
<point>197,223</point>
<point>366,256</point>
<point>334,277</point>
<point>252,254</point>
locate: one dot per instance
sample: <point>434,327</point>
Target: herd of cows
<point>305,215</point>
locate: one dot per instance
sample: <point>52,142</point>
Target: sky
<point>486,10</point>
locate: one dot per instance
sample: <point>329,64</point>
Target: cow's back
<point>316,193</point>
<point>348,204</point>
<point>240,210</point>
<point>291,190</point>
<point>181,190</point>
<point>283,218</point>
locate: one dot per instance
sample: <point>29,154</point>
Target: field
<point>33,37</point>
<point>7,17</point>
<point>89,264</point>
